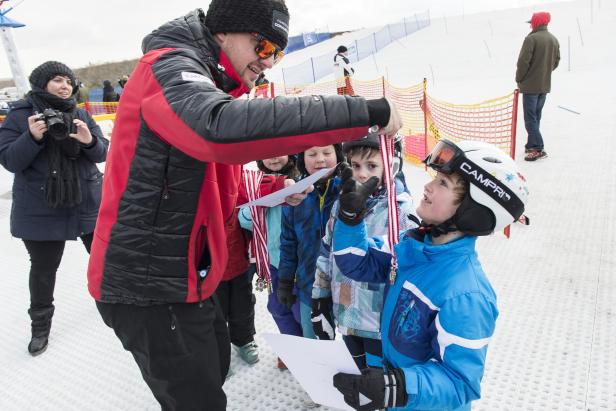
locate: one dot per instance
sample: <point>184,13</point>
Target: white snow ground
<point>555,343</point>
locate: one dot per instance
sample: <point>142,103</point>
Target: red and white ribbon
<point>387,153</point>
<point>252,180</point>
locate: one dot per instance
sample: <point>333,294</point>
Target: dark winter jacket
<point>172,175</point>
<point>539,56</point>
<point>303,227</point>
<point>31,217</point>
<point>109,93</point>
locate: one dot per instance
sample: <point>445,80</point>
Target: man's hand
<point>353,196</point>
<point>374,389</point>
<point>321,317</point>
<point>296,199</point>
<point>285,293</point>
<point>395,122</point>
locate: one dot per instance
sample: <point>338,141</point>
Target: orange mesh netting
<point>492,121</point>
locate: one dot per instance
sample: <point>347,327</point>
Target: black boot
<point>41,326</point>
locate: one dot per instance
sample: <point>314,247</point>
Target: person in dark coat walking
<point>538,57</point>
<point>109,94</point>
<point>57,185</point>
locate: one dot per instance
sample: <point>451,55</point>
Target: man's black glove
<point>321,317</point>
<point>285,293</point>
<point>374,389</point>
<point>353,196</point>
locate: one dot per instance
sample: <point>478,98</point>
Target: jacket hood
<point>539,19</point>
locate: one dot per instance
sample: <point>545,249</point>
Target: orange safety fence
<point>493,121</point>
<point>98,107</point>
<point>2,119</point>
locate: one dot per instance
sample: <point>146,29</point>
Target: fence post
<point>405,32</point>
<point>383,85</point>
<point>425,114</point>
<point>514,122</point>
<point>272,94</point>
<point>374,41</point>
<point>314,78</point>
<point>356,50</point>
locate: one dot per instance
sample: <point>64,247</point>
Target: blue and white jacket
<point>357,305</point>
<point>438,317</point>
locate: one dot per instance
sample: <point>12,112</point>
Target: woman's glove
<point>285,293</point>
<point>374,389</point>
<point>321,317</point>
<point>353,196</point>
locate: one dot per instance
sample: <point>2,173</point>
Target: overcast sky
<point>81,32</point>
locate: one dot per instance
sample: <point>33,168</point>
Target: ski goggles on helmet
<point>266,49</point>
<point>447,158</point>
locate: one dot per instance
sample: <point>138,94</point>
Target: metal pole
<point>314,78</point>
<point>568,53</point>
<point>580,31</point>
<point>488,48</point>
<point>445,19</point>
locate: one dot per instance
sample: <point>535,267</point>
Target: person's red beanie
<point>541,18</point>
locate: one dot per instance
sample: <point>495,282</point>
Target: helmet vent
<point>492,160</point>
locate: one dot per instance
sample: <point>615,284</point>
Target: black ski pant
<point>238,307</point>
<point>182,350</point>
<point>45,257</point>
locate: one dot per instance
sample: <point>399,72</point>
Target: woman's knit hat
<point>269,18</point>
<point>41,75</point>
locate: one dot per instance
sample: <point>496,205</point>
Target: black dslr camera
<point>56,127</point>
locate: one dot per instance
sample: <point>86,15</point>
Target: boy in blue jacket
<point>440,312</point>
<point>356,306</point>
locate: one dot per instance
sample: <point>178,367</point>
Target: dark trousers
<point>182,350</point>
<point>365,351</point>
<point>45,257</point>
<point>288,320</point>
<point>238,307</point>
<point>533,105</point>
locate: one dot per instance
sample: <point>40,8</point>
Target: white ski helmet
<point>497,191</point>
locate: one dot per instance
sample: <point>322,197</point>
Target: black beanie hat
<point>269,18</point>
<point>342,49</point>
<point>41,75</point>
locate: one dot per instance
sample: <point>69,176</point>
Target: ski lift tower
<point>6,25</point>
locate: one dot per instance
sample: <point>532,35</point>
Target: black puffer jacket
<point>31,217</point>
<point>172,175</point>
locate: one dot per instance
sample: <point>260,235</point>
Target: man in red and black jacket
<point>171,181</point>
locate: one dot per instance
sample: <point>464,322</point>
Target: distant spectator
<point>83,93</point>
<point>109,94</point>
<point>122,81</point>
<point>539,56</point>
<point>261,80</point>
<point>343,71</point>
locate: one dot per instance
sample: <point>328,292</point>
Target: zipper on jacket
<point>200,278</point>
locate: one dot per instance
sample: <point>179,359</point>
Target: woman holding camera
<point>52,147</point>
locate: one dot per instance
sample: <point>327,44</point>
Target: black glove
<point>378,388</point>
<point>321,317</point>
<point>353,196</point>
<point>285,293</point>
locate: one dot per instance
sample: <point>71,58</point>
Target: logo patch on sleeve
<point>200,78</point>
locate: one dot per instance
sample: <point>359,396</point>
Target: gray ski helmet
<point>372,141</point>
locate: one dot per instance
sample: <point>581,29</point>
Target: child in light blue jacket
<point>440,313</point>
